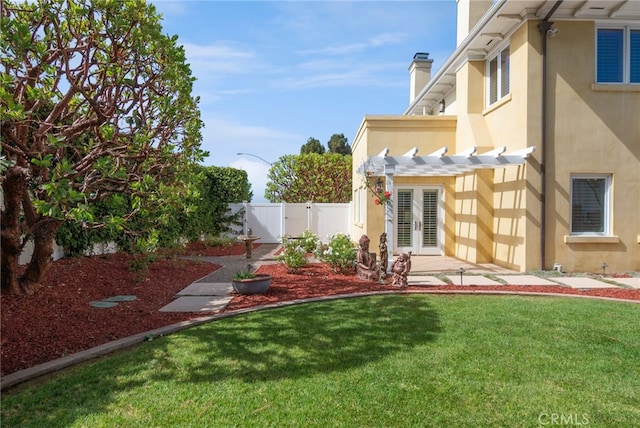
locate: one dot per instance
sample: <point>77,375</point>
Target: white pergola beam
<point>496,152</point>
<point>384,153</point>
<point>524,153</point>
<point>440,152</point>
<point>468,152</point>
<point>437,164</point>
<point>411,153</point>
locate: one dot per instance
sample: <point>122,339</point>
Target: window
<point>618,55</point>
<point>590,204</point>
<point>498,76</point>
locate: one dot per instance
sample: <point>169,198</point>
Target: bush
<point>308,241</point>
<point>293,256</point>
<point>340,253</point>
<point>218,241</point>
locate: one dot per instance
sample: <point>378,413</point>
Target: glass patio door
<point>418,220</point>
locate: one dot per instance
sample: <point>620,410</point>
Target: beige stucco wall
<point>594,130</point>
<point>515,122</point>
<point>493,215</point>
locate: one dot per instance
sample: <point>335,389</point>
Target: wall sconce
<point>378,185</point>
<point>551,32</point>
<point>442,105</point>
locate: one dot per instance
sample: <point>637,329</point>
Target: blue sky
<point>272,74</point>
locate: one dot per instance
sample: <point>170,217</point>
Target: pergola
<point>439,164</point>
<point>436,164</point>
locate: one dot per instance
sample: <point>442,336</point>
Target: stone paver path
<point>424,280</point>
<point>197,304</point>
<point>525,280</point>
<point>629,282</point>
<point>207,289</point>
<point>584,283</point>
<point>472,280</point>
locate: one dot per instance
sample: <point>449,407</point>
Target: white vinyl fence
<point>273,221</point>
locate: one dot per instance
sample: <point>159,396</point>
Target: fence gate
<point>273,221</point>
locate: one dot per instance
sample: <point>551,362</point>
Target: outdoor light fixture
<point>551,32</point>
<point>442,106</point>
<point>378,186</point>
<point>461,271</point>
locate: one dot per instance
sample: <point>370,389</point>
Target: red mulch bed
<point>57,320</point>
<point>317,280</point>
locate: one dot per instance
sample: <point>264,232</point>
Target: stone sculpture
<point>366,265</point>
<point>384,255</point>
<point>400,269</point>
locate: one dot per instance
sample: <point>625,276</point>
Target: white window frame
<point>607,208</point>
<point>500,93</point>
<point>626,52</point>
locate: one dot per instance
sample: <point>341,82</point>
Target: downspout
<point>544,27</point>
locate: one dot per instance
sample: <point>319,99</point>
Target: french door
<point>418,220</point>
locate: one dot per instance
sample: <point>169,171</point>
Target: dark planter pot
<point>258,285</point>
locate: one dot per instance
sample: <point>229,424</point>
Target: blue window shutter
<point>610,55</point>
<point>634,61</point>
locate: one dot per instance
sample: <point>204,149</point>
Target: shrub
<point>308,241</point>
<point>293,256</point>
<point>340,253</point>
<point>218,241</point>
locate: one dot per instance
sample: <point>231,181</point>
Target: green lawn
<point>384,361</point>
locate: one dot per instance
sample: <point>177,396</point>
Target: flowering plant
<point>383,198</point>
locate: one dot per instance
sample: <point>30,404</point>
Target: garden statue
<point>401,267</point>
<point>384,254</point>
<point>366,265</point>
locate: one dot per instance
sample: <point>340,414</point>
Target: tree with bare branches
<point>95,101</point>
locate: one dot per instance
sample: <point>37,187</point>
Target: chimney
<point>420,74</point>
<point>469,13</point>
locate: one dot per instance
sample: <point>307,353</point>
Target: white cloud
<point>229,132</point>
<point>219,58</point>
<point>257,173</point>
<point>373,42</point>
<point>223,139</point>
<point>317,74</point>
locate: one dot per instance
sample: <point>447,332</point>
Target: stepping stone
<point>102,304</point>
<point>525,280</point>
<point>197,304</point>
<point>424,280</point>
<point>472,280</point>
<point>582,282</point>
<point>120,299</point>
<point>629,282</point>
<point>207,289</point>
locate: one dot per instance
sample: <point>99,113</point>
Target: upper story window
<point>498,76</point>
<point>618,55</point>
<point>590,204</point>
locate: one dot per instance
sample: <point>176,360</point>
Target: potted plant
<point>247,282</point>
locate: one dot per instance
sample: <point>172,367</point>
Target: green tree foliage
<point>218,187</point>
<point>96,102</point>
<point>204,211</point>
<point>338,143</point>
<point>312,146</point>
<point>310,177</point>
